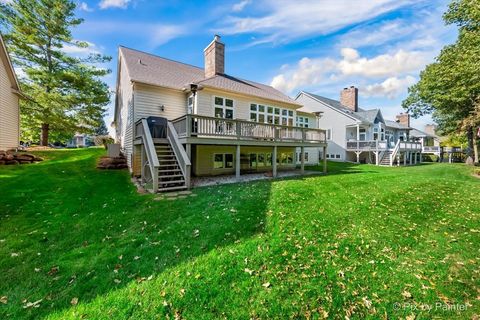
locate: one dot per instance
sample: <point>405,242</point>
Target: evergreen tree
<point>67,93</point>
<point>101,130</point>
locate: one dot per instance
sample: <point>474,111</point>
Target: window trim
<point>224,107</point>
<point>224,161</point>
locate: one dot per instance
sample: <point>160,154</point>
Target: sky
<point>320,46</point>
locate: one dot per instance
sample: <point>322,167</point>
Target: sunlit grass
<point>352,243</point>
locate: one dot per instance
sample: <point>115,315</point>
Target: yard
<point>362,242</point>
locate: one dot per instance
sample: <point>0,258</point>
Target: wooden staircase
<point>385,161</point>
<point>170,176</point>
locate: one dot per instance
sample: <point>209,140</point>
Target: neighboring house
<point>207,122</point>
<point>80,140</point>
<point>9,102</point>
<point>429,140</point>
<point>359,135</point>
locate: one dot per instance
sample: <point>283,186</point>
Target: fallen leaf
<point>250,272</point>
<point>266,285</point>
<point>35,304</point>
<point>4,299</point>
<point>53,271</point>
<point>74,301</point>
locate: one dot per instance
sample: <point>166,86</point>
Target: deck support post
<point>416,157</point>
<point>358,156</point>
<point>377,162</point>
<point>302,160</point>
<point>324,160</point>
<point>274,162</point>
<point>188,174</point>
<point>237,163</point>
<point>142,163</point>
<point>412,155</point>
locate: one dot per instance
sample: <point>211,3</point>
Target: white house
<point>9,99</point>
<point>360,135</point>
<point>174,120</point>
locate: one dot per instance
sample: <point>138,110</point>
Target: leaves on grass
<point>35,304</point>
<point>74,301</point>
<point>4,299</point>
<point>53,271</point>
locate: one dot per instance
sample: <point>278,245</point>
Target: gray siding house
<point>358,135</point>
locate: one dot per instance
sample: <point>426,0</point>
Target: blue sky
<point>320,46</point>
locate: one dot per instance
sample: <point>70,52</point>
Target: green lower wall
<point>203,155</point>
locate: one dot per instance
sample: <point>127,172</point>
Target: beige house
<point>174,120</point>
<point>9,98</point>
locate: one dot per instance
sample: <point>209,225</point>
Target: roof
<point>362,115</point>
<point>396,125</point>
<point>418,133</point>
<point>8,66</point>
<point>154,70</point>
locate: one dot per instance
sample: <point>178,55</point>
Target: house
<point>174,120</point>
<point>429,140</point>
<point>358,135</point>
<point>80,140</point>
<point>9,102</point>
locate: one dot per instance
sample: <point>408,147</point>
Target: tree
<point>449,88</point>
<point>101,130</point>
<point>67,93</point>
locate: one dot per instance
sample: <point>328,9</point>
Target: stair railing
<point>394,152</point>
<point>180,153</point>
<point>149,158</point>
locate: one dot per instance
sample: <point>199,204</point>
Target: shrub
<point>476,171</point>
<point>103,140</point>
<point>429,158</point>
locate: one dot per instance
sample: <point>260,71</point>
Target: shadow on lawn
<point>72,231</point>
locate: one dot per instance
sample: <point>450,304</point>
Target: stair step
<point>171,176</point>
<point>167,160</point>
<point>171,182</point>
<point>168,165</point>
<point>172,188</point>
<point>170,170</point>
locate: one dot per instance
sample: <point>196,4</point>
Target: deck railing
<point>431,149</point>
<point>202,126</point>
<point>149,159</point>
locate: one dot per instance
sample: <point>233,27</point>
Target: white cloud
<point>390,88</point>
<point>160,34</point>
<point>76,50</point>
<point>122,4</point>
<point>353,67</point>
<point>382,65</point>
<point>286,20</point>
<point>237,7</point>
<point>83,6</point>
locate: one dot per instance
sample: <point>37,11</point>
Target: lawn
<point>361,242</point>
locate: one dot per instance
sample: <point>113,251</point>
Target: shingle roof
<point>360,115</point>
<point>150,69</point>
<point>418,133</point>
<point>394,124</point>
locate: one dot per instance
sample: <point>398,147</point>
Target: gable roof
<point>418,133</point>
<point>362,115</point>
<point>154,70</point>
<point>8,66</point>
<point>395,124</point>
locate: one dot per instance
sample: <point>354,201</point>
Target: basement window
<point>223,160</point>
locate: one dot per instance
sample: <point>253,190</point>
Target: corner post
<point>237,163</point>
<point>274,162</point>
<point>302,160</point>
<point>188,169</point>
<point>189,125</point>
<point>325,160</point>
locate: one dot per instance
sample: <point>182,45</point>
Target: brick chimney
<point>214,58</point>
<point>403,118</point>
<point>430,129</point>
<point>349,98</point>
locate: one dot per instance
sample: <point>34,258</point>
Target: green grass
<point>350,244</point>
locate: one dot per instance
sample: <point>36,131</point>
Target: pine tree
<point>66,93</point>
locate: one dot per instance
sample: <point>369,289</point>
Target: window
<point>337,156</point>
<point>269,159</point>
<point>328,156</point>
<point>261,160</point>
<point>286,157</point>
<point>253,160</point>
<point>268,114</point>
<point>223,108</point>
<point>363,134</point>
<point>329,134</point>
<point>299,157</point>
<point>190,105</point>
<point>223,161</point>
<point>302,122</point>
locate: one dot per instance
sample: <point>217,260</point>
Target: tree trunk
<point>44,136</point>
<point>475,146</point>
<point>470,136</point>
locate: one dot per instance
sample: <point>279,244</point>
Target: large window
<point>269,114</point>
<point>223,160</point>
<point>363,134</point>
<point>302,122</point>
<point>223,108</point>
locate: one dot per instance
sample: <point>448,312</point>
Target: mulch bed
<point>110,163</point>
